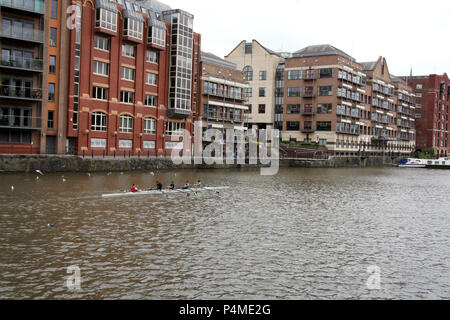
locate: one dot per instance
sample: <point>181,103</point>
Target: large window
<point>54,9</point>
<point>149,126</point>
<point>101,68</point>
<point>175,128</point>
<point>263,75</point>
<point>152,56</point>
<point>151,100</point>
<point>326,91</point>
<point>323,126</point>
<point>158,36</point>
<point>127,97</point>
<point>293,126</point>
<point>133,28</point>
<point>106,19</point>
<point>126,124</point>
<point>128,74</point>
<point>326,73</point>
<point>151,79</point>
<point>99,121</point>
<point>294,74</point>
<point>293,109</point>
<point>248,70</point>
<point>248,92</point>
<point>102,43</point>
<point>294,92</point>
<point>261,108</point>
<point>100,93</point>
<point>324,108</point>
<point>128,50</point>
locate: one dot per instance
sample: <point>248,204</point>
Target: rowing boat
<point>156,192</point>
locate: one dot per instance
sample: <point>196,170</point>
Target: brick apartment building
<point>432,111</point>
<point>347,106</point>
<point>222,103</point>
<point>131,88</point>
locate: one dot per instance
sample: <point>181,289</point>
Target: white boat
<point>441,163</point>
<point>156,192</point>
<point>413,163</point>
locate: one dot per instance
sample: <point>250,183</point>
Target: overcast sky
<point>407,33</point>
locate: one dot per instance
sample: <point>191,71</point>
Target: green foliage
<point>427,154</point>
<point>303,144</point>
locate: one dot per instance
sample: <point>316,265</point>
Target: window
<point>151,79</point>
<point>127,74</point>
<point>323,126</point>
<point>51,119</point>
<point>292,126</point>
<point>175,128</point>
<point>99,122</point>
<point>158,36</point>
<point>263,75</point>
<point>294,92</point>
<point>151,100</point>
<point>54,9</point>
<point>51,92</point>
<point>106,19</point>
<point>324,108</point>
<point>262,92</point>
<point>419,95</point>
<point>262,109</point>
<point>152,56</point>
<point>100,93</point>
<point>419,106</point>
<point>128,51</point>
<point>248,73</point>
<point>149,126</point>
<point>294,74</point>
<point>248,92</point>
<point>419,86</point>
<point>293,109</point>
<point>249,110</point>
<point>126,124</point>
<point>127,97</point>
<point>101,68</point>
<point>248,48</point>
<point>52,65</point>
<point>53,37</point>
<point>326,91</point>
<point>133,28</point>
<point>326,73</point>
<point>418,115</point>
<point>102,43</point>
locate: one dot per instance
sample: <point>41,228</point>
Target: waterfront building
<point>222,104</point>
<point>259,65</point>
<point>347,106</point>
<point>23,75</point>
<point>132,77</point>
<point>432,112</point>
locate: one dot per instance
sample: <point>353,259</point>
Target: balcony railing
<point>36,6</point>
<point>308,111</point>
<point>23,63</point>
<point>308,129</point>
<point>32,35</point>
<point>20,92</point>
<point>20,122</point>
<point>309,94</point>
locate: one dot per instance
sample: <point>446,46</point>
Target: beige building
<point>259,65</point>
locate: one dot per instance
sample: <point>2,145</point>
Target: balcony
<point>353,130</point>
<point>308,129</point>
<point>308,111</point>
<point>20,122</point>
<point>178,113</point>
<point>34,36</point>
<point>217,94</point>
<point>30,6</point>
<point>309,94</point>
<point>22,93</point>
<point>310,77</point>
<point>36,65</point>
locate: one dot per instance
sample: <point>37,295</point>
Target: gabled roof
<point>265,48</point>
<point>369,66</point>
<point>321,50</point>
<point>213,59</point>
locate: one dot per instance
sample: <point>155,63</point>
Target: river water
<point>302,234</point>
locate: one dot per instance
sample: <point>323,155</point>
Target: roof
<point>278,54</point>
<point>153,5</point>
<point>320,50</point>
<point>369,66</point>
<point>213,59</point>
<point>398,79</point>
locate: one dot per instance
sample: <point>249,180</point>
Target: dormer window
<point>156,31</point>
<point>133,24</point>
<point>106,15</point>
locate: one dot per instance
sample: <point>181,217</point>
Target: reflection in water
<point>303,234</point>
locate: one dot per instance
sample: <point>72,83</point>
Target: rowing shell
<point>156,192</point>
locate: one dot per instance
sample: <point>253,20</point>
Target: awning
<point>154,22</point>
<point>106,4</point>
<point>129,14</point>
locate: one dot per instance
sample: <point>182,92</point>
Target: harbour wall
<point>31,163</point>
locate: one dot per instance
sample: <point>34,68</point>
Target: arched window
<point>99,121</point>
<point>248,73</point>
<point>149,126</point>
<point>126,124</point>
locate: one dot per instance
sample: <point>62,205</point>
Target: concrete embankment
<point>17,163</point>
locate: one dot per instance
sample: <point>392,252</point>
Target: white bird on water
<point>89,174</point>
<point>64,179</point>
<point>12,188</point>
<point>40,172</point>
<point>152,173</point>
<point>37,178</point>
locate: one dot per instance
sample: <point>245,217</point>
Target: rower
<point>159,186</point>
<point>171,186</point>
<point>134,189</point>
<point>187,185</point>
<point>198,184</point>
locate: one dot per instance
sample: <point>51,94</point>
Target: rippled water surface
<point>303,234</point>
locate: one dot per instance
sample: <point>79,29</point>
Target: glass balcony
<point>30,35</point>
<point>22,63</point>
<point>36,6</point>
<point>26,93</point>
<point>20,122</point>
